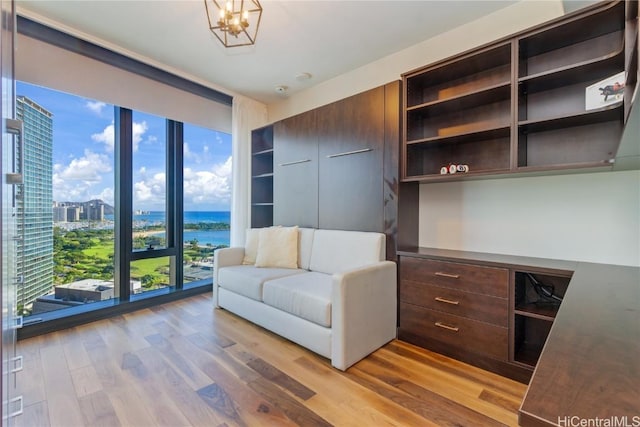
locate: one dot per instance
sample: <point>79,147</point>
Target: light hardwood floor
<point>185,364</point>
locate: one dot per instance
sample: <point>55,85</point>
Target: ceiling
<point>323,38</point>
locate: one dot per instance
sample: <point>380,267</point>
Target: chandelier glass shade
<point>234,22</point>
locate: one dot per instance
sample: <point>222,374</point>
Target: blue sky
<point>83,166</point>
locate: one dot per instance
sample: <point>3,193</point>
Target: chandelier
<point>234,22</point>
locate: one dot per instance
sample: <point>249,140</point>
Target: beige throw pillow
<point>278,247</point>
<point>251,246</point>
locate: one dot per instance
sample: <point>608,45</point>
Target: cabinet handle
<point>348,153</point>
<point>17,363</point>
<point>447,327</point>
<point>295,162</point>
<point>17,403</point>
<point>16,128</point>
<point>451,276</point>
<point>446,301</point>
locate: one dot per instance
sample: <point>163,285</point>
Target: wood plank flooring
<point>186,364</point>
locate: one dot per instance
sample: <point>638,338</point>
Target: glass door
<point>10,216</point>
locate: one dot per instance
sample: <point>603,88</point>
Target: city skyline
<point>82,158</point>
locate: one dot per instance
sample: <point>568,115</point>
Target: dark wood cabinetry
<point>296,171</point>
<point>337,166</point>
<point>486,310</point>
<point>518,105</point>
<point>262,177</point>
<point>350,156</point>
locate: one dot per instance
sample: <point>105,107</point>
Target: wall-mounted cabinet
<point>520,104</point>
<point>262,177</point>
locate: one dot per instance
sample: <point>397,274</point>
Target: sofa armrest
<point>364,312</point>
<point>224,257</point>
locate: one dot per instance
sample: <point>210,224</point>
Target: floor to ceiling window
<point>65,257</point>
<point>167,204</point>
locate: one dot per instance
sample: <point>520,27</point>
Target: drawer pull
<point>451,276</point>
<point>446,301</point>
<point>445,326</point>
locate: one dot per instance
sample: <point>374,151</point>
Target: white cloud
<point>208,187</point>
<point>106,195</point>
<point>139,130</point>
<point>96,106</point>
<point>82,178</point>
<point>150,193</point>
<point>87,168</point>
<point>107,136</point>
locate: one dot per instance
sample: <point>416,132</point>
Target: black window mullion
<point>175,172</point>
<point>123,230</point>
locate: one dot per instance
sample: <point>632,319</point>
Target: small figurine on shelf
<point>451,169</point>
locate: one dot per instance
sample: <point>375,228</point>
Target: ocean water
<point>204,237</point>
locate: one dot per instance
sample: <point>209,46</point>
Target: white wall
<point>585,217</point>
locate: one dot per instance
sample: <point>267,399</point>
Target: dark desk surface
<point>590,365</point>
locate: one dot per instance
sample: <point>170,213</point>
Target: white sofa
<point>340,302</point>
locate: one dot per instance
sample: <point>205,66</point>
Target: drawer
<point>465,304</point>
<point>469,335</point>
<point>471,278</point>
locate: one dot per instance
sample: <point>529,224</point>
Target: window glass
<point>149,182</point>
<point>207,199</point>
<point>65,207</point>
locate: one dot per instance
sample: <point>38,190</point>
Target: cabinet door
<point>351,143</point>
<point>295,179</point>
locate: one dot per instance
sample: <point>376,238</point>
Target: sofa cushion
<point>247,280</point>
<point>335,250</point>
<point>278,247</point>
<point>305,295</point>
<point>251,246</point>
<point>305,240</point>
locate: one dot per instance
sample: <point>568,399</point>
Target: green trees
<point>82,254</point>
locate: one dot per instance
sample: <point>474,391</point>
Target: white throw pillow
<point>278,247</point>
<point>251,246</point>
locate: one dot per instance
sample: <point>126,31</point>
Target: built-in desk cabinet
<point>519,105</point>
<point>491,311</point>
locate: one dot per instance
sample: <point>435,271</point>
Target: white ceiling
<point>323,38</point>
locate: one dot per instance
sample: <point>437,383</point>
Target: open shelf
<point>425,124</point>
<point>578,40</point>
<point>468,74</point>
<point>471,99</point>
<point>262,177</point>
<point>482,152</point>
<point>592,69</point>
<point>537,299</point>
<point>606,114</point>
<point>530,335</point>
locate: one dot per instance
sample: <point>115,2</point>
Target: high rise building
<point>35,251</point>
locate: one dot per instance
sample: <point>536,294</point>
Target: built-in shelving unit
<point>262,177</point>
<point>460,109</point>
<point>519,105</point>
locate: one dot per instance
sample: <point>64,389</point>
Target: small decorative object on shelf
<point>605,92</point>
<point>451,169</point>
